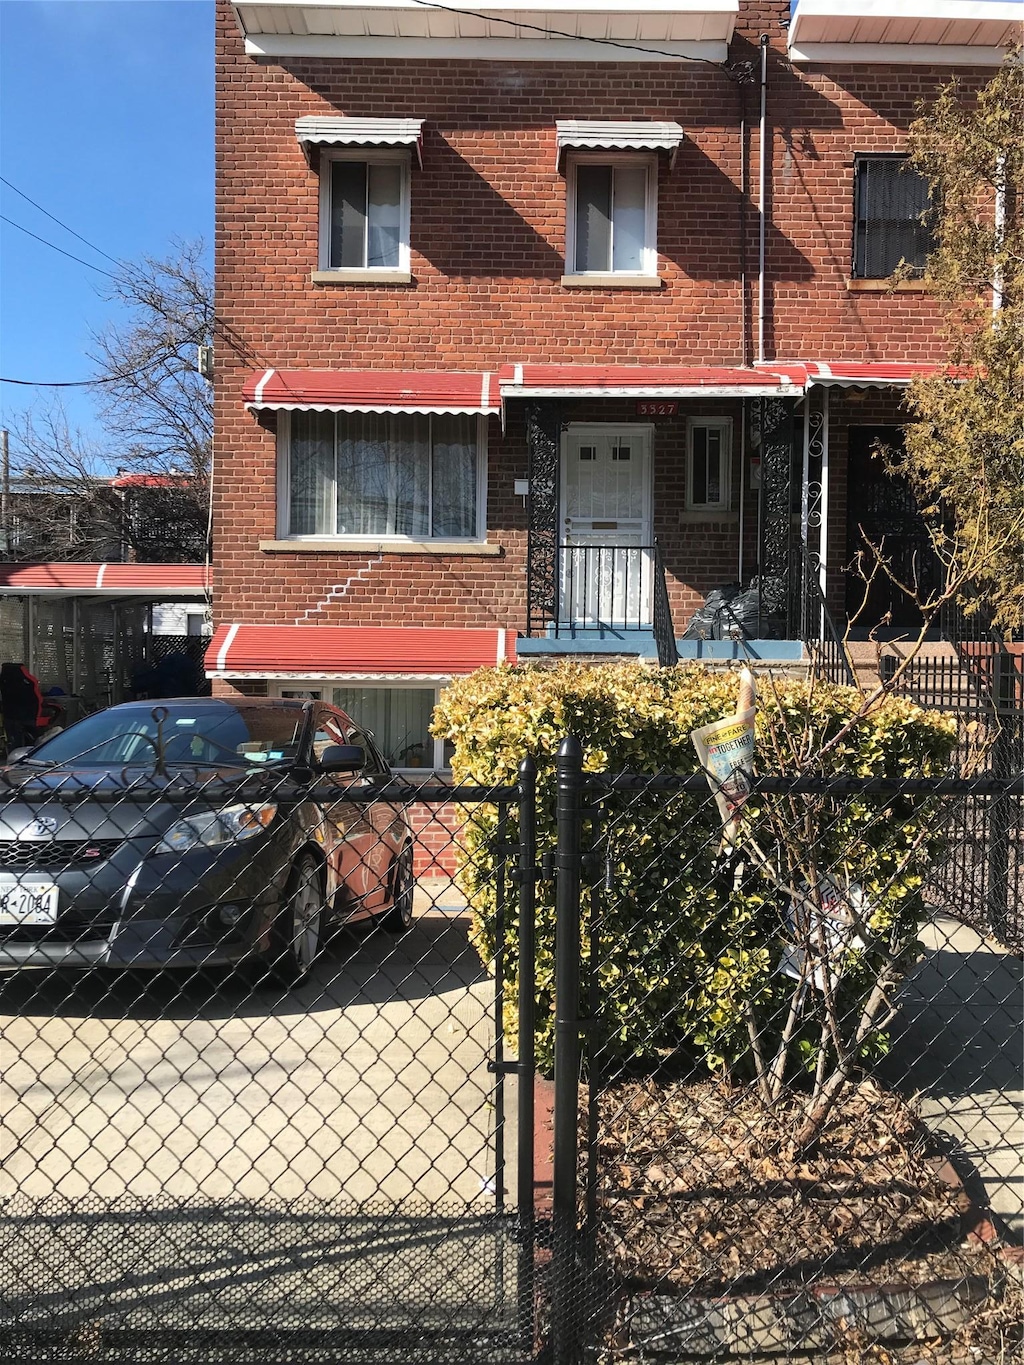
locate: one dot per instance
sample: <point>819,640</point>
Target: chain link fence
<point>278,1085</point>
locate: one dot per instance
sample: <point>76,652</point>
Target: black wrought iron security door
<point>882,512</point>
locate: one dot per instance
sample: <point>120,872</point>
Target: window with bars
<point>890,199</point>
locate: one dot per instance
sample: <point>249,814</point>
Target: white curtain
<point>454,476</point>
<point>397,717</point>
<point>312,474</point>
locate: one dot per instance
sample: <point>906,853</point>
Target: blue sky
<point>106,121</point>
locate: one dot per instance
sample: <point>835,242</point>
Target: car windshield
<point>192,733</point>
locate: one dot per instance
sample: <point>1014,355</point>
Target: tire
<point>398,917</point>
<point>298,934</point>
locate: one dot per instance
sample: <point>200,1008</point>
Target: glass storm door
<point>606,558</point>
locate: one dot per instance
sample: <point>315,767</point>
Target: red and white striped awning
<point>238,650</point>
<point>372,391</point>
<point>644,381</point>
<point>157,582</point>
<point>868,374</point>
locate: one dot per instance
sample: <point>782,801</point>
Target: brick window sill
<point>361,277</point>
<point>611,281</point>
<point>373,547</point>
<point>887,287</point>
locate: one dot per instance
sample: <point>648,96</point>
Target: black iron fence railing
<point>825,648</point>
<point>664,632</point>
<point>604,587</point>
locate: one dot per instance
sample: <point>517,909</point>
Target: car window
<point>374,763</point>
<point>198,732</point>
<point>328,732</point>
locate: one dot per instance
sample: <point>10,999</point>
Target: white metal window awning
<point>318,131</point>
<point>582,135</point>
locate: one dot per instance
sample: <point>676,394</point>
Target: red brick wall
<point>487,256</point>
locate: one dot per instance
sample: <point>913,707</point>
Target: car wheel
<point>298,936</point>
<point>398,917</point>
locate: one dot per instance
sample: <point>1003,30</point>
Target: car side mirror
<point>16,755</point>
<point>342,758</point>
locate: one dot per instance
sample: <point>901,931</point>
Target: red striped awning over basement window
<point>239,650</point>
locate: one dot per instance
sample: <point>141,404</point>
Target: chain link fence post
<point>568,865</point>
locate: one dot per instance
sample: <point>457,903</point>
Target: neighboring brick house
<point>499,314</point>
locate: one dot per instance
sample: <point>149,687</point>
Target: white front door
<point>606,560</point>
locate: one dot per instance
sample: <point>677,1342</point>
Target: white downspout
<point>1000,228</point>
<point>743,483</point>
<point>762,177</point>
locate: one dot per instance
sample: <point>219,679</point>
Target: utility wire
<point>53,247</point>
<point>54,219</point>
<point>63,383</point>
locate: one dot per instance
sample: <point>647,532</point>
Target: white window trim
<point>369,156</point>
<point>724,503</point>
<point>367,681</point>
<point>649,258</point>
<point>358,541</point>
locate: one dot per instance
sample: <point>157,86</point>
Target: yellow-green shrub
<point>689,952</point>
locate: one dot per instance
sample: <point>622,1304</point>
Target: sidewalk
<point>958,1043</point>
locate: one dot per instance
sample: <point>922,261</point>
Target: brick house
<point>536,326</point>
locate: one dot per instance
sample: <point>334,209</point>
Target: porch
<point>677,513</point>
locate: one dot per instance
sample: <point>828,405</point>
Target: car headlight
<point>216,828</point>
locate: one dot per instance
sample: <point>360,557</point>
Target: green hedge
<point>689,952</point>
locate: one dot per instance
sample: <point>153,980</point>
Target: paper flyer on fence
<point>726,752</point>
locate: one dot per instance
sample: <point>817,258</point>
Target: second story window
<point>890,198</point>
<point>610,227</point>
<point>364,212</point>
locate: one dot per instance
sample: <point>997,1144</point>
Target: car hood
<point>98,803</point>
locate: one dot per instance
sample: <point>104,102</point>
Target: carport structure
<point>85,627</point>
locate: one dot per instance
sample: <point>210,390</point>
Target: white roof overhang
<point>580,135</point>
<point>498,30</point>
<point>942,32</point>
<point>316,131</point>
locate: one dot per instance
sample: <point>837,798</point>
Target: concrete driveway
<point>370,1082</point>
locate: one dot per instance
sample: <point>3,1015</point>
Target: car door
<point>355,857</point>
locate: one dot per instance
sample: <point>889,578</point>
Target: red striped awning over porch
<point>880,374</point>
<point>418,391</point>
<point>240,650</point>
<point>645,381</point>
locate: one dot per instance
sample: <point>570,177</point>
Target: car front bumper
<point>160,912</point>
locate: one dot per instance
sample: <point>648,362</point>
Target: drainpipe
<point>1000,227</point>
<point>744,198</point>
<point>762,178</point>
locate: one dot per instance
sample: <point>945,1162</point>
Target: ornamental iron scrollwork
<point>772,435</point>
<point>543,441</point>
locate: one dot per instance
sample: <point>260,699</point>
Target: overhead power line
<point>53,247</point>
<point>54,219</point>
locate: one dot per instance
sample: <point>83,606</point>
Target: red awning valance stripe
<point>643,381</point>
<point>239,650</point>
<point>113,580</point>
<point>417,391</point>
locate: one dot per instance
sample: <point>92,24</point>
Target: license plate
<point>28,902</point>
